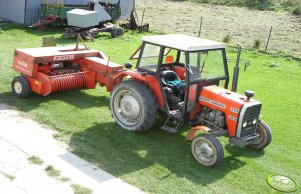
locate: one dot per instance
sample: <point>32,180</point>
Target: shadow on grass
<point>121,152</point>
<point>78,99</point>
<point>8,26</point>
<point>244,152</point>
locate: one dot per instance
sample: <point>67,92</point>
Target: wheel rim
<point>18,87</point>
<point>259,131</point>
<point>204,151</point>
<point>127,108</point>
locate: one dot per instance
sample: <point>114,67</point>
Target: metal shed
<point>28,11</point>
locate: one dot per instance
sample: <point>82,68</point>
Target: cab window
<point>150,57</point>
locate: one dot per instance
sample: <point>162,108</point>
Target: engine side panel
<point>227,102</point>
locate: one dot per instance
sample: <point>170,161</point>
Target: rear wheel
<point>133,106</point>
<point>265,135</point>
<point>20,87</point>
<point>207,150</point>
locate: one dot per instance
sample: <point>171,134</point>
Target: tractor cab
<point>183,65</point>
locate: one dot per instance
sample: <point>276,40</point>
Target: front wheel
<point>207,150</point>
<point>265,135</point>
<point>133,106</point>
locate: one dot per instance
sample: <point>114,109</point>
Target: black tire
<point>265,135</point>
<point>116,32</point>
<point>207,150</point>
<point>133,106</point>
<point>20,87</point>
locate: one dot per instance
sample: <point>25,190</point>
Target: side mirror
<point>128,65</point>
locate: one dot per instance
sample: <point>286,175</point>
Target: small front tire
<point>265,135</point>
<point>207,150</point>
<point>20,87</point>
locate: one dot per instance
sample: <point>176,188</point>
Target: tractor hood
<point>222,99</point>
<point>237,108</point>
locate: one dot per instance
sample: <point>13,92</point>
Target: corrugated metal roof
<point>12,10</point>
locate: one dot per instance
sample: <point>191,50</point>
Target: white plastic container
<point>82,18</point>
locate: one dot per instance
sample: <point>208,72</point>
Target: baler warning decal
<point>234,110</point>
<point>213,102</point>
<point>22,67</point>
<point>23,64</point>
<point>232,118</point>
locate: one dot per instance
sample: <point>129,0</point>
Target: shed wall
<point>13,10</point>
<point>32,11</point>
<point>126,7</point>
<point>18,12</point>
<point>70,2</point>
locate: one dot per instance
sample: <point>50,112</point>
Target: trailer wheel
<point>116,32</point>
<point>20,87</point>
<point>207,150</point>
<point>133,106</point>
<point>265,135</point>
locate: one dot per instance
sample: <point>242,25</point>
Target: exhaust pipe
<point>236,71</point>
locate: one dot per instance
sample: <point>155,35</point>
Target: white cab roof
<point>183,42</point>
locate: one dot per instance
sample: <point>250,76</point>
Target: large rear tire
<point>207,150</point>
<point>133,106</point>
<point>265,135</point>
<point>20,87</point>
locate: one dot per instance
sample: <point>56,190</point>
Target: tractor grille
<point>249,116</point>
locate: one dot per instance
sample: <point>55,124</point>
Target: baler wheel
<point>207,150</point>
<point>20,87</point>
<point>265,135</point>
<point>133,106</point>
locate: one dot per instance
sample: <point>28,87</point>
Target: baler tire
<point>207,150</point>
<point>265,135</point>
<point>133,106</point>
<point>20,87</point>
<point>116,32</point>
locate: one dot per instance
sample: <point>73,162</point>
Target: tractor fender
<point>150,81</point>
<point>191,134</point>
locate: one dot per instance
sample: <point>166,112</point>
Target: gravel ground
<point>21,138</point>
<point>242,24</point>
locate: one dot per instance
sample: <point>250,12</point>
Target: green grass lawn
<point>293,6</point>
<point>155,161</point>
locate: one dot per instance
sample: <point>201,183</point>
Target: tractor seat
<point>172,80</point>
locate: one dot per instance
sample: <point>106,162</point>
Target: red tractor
<point>182,76</point>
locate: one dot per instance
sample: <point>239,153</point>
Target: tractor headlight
<point>254,121</point>
<point>245,124</point>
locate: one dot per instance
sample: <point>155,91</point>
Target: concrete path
<point>21,138</point>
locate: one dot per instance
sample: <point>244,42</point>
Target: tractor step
<point>171,129</point>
